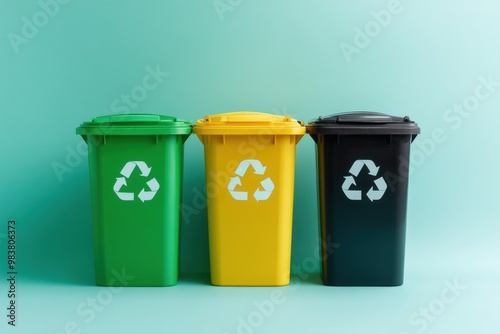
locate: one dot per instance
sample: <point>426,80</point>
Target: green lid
<point>134,124</point>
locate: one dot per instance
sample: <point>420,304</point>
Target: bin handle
<point>365,118</point>
<point>134,118</point>
<point>246,118</point>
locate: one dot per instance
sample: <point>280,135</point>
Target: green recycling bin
<point>135,165</point>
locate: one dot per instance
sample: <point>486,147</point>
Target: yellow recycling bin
<point>250,167</point>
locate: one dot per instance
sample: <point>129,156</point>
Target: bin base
<point>126,278</point>
<point>249,281</point>
<point>349,281</point>
<point>362,285</point>
<point>249,284</point>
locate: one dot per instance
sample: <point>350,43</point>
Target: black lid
<point>363,123</point>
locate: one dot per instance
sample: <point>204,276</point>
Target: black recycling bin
<point>363,161</point>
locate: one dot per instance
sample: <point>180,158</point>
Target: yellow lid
<point>248,122</point>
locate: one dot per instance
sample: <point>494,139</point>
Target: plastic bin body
<point>250,166</point>
<point>363,185</point>
<point>135,185</point>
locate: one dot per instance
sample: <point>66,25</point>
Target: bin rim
<point>248,123</point>
<point>135,124</point>
<point>362,123</point>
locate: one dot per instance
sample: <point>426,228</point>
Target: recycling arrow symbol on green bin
<point>144,195</point>
<point>372,194</point>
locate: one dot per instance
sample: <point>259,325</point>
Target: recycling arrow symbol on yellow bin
<point>259,195</point>
<point>372,194</point>
<point>144,195</point>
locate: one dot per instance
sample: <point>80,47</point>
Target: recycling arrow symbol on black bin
<point>372,194</point>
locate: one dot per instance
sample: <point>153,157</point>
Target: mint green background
<point>272,56</point>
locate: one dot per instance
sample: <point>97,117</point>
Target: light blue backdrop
<point>62,63</point>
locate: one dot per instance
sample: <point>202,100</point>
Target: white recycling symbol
<point>372,194</point>
<point>259,195</point>
<point>144,195</point>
